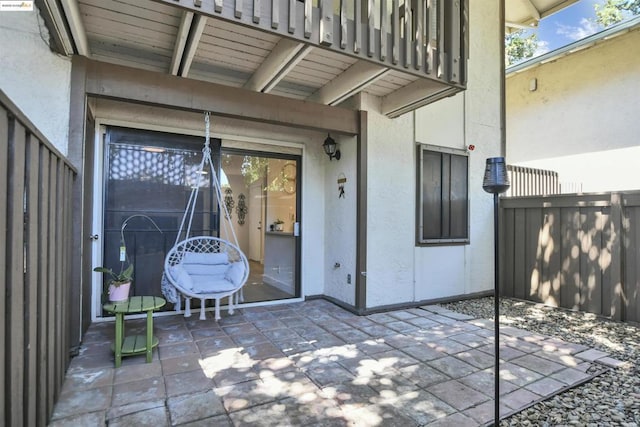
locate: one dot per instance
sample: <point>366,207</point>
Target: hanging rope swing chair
<point>205,267</point>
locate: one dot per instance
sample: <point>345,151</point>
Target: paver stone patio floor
<point>313,363</point>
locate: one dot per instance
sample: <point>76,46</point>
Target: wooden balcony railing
<point>425,38</point>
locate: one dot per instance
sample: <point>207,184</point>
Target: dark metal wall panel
<point>431,195</point>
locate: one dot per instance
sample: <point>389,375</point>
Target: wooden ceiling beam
<point>353,80</point>
<point>74,19</point>
<point>414,95</point>
<point>161,89</point>
<point>55,20</point>
<point>283,58</point>
<point>181,42</point>
<point>195,34</point>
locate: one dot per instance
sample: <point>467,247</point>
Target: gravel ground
<point>611,399</point>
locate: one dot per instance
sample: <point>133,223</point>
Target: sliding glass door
<point>263,189</point>
<point>148,177</point>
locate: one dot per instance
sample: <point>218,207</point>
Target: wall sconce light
<point>331,148</point>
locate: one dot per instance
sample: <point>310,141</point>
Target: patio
<point>314,363</point>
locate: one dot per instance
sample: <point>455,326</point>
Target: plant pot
<point>279,227</point>
<point>119,293</point>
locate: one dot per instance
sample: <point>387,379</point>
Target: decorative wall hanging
<point>342,179</point>
<point>241,210</point>
<point>228,200</point>
<point>289,178</point>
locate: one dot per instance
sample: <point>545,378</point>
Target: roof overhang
<point>522,14</point>
<point>321,51</point>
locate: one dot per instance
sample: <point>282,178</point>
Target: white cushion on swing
<point>181,276</point>
<point>206,284</point>
<point>235,273</point>
<point>208,264</point>
<point>205,258</point>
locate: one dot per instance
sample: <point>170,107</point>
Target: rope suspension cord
<point>205,267</point>
<point>193,197</point>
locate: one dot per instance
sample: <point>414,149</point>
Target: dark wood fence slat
<point>43,289</point>
<point>631,264</point>
<point>4,153</point>
<point>533,256</point>
<point>520,272</point>
<point>15,277</point>
<point>508,250</point>
<point>51,315</point>
<point>551,256</point>
<point>67,251</point>
<point>31,303</point>
<point>615,279</point>
<point>59,364</point>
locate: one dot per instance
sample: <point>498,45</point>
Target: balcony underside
<point>322,53</point>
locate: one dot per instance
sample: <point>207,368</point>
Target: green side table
<point>137,344</point>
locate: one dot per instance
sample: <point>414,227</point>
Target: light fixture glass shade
<point>329,146</point>
<point>496,179</point>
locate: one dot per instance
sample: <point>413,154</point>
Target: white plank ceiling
<point>155,36</point>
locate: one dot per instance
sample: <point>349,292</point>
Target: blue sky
<point>570,24</point>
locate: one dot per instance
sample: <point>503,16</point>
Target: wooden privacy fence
<point>574,251</point>
<point>35,217</point>
<point>531,182</point>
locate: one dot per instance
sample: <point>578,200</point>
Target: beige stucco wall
<point>34,78</point>
<point>582,120</point>
<point>397,270</point>
<point>340,222</point>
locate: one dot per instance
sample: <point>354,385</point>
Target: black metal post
<point>496,310</point>
<point>496,181</point>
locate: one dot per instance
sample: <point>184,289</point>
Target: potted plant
<point>119,283</point>
<point>278,224</point>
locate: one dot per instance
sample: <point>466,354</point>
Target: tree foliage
<point>519,46</point>
<point>613,11</point>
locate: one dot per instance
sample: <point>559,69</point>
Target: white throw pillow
<point>181,276</point>
<point>235,273</point>
<point>205,258</point>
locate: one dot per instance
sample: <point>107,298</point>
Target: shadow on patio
<point>314,363</point>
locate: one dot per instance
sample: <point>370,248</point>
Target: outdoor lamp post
<point>496,181</point>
